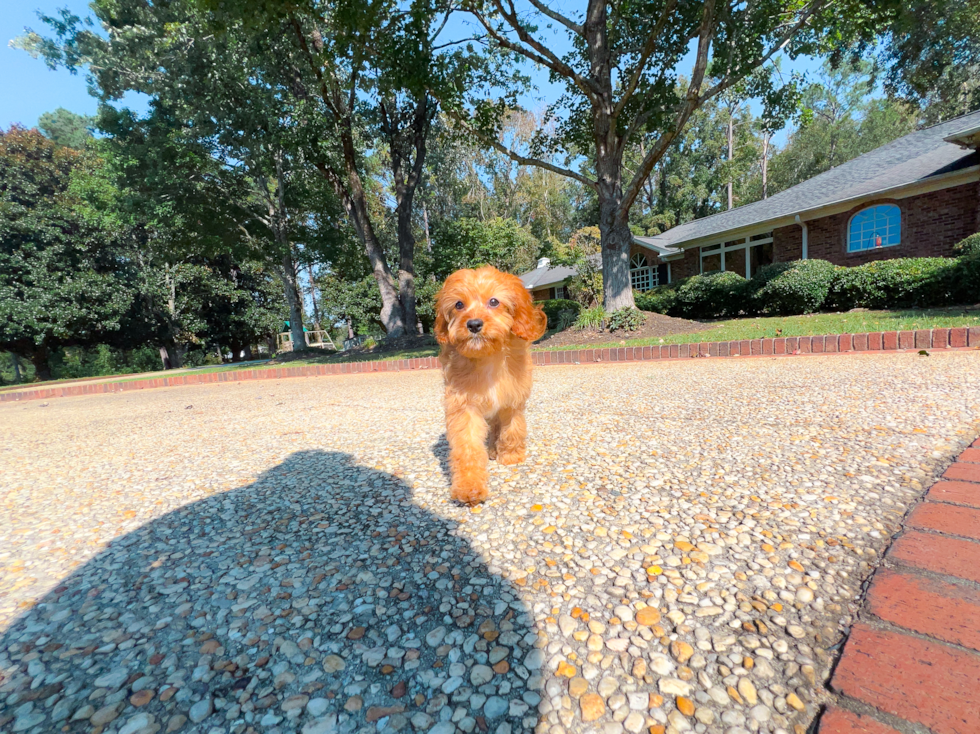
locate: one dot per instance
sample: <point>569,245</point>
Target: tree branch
<point>517,157</point>
<point>558,17</point>
<point>645,53</point>
<point>540,54</point>
<point>692,101</point>
<point>728,80</point>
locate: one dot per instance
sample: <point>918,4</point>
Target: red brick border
<point>958,338</point>
<point>914,658</point>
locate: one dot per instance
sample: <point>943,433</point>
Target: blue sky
<point>27,86</point>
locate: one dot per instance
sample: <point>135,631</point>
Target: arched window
<point>642,276</point>
<point>876,226</point>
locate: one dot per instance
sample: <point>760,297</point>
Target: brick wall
<point>690,265</point>
<point>931,224</point>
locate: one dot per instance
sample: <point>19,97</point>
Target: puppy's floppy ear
<point>530,321</point>
<point>441,329</point>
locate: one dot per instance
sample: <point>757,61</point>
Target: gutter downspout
<point>805,237</point>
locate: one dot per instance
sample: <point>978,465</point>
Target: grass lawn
<point>128,376</point>
<point>851,322</point>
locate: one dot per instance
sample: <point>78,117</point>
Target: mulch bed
<point>656,325</point>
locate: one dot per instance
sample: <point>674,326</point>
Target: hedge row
<point>806,286</point>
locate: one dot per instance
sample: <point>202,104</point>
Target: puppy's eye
<point>493,303</point>
<point>460,305</point>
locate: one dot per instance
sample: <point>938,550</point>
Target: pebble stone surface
<point>682,551</point>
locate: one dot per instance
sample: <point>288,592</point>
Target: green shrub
<point>900,283</point>
<point>659,300</point>
<point>566,320</point>
<point>967,276</point>
<point>711,296</point>
<point>626,319</point>
<point>591,318</point>
<point>790,288</point>
<point>968,247</point>
<point>554,307</point>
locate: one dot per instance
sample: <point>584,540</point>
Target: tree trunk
<point>40,359</point>
<point>406,167</point>
<point>356,203</point>
<point>173,355</point>
<point>16,361</point>
<point>406,261</point>
<point>290,286</point>
<point>616,239</point>
<point>316,311</point>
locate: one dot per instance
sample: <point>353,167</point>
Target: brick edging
<point>954,338</point>
<point>913,659</point>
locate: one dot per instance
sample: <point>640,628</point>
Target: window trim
<point>645,271</point>
<point>867,207</point>
<point>742,243</point>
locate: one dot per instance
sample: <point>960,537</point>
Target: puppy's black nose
<point>474,325</point>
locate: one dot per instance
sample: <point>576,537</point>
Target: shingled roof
<point>930,155</point>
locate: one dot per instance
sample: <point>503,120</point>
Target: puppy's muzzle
<point>474,325</point>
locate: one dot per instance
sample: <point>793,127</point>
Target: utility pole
<point>731,152</point>
<point>766,138</point>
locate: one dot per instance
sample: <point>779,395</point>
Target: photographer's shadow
<point>318,599</point>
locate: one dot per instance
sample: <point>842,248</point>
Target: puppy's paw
<point>492,452</point>
<point>509,458</point>
<point>469,491</point>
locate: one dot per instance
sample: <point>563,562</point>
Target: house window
<point>642,276</point>
<point>876,226</point>
<point>559,291</point>
<point>743,256</point>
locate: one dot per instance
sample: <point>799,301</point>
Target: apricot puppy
<point>485,322</point>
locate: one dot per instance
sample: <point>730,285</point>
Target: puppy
<point>485,322</point>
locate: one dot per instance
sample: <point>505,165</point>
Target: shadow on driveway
<point>320,598</point>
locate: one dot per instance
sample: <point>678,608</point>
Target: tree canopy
<point>333,162</point>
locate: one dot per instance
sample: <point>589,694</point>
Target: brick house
<point>914,197</point>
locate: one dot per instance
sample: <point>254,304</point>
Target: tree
<point>841,121</point>
<point>690,181</point>
<point>582,251</point>
<point>294,82</point>
<point>62,280</point>
<point>468,243</point>
<point>66,128</point>
<point>191,220</point>
<point>354,303</point>
<point>618,63</point>
<point>930,56</point>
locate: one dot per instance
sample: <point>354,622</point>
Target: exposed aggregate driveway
<point>682,551</point>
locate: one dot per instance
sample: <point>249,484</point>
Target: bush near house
<point>554,307</point>
<point>784,289</point>
<point>807,286</point>
<point>903,283</point>
<point>711,296</point>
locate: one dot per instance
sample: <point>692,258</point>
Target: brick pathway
<point>914,658</point>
